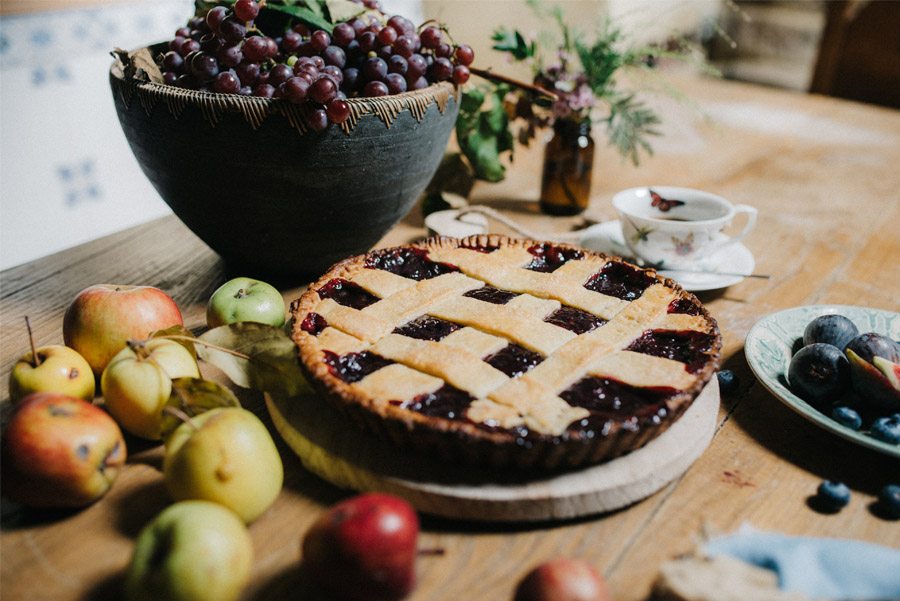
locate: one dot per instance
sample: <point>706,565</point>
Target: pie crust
<point>505,352</point>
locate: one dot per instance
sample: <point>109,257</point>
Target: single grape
<point>442,69</point>
<point>183,32</point>
<point>176,43</point>
<point>186,81</point>
<point>443,51</point>
<point>384,53</point>
<point>334,73</point>
<point>358,25</point>
<point>397,64</point>
<point>172,61</point>
<point>416,66</point>
<point>246,91</point>
<point>461,74</point>
<point>215,17</point>
<point>227,82</point>
<point>303,29</point>
<point>374,69</point>
<point>343,34</point>
<point>296,89</point>
<point>279,74</point>
<point>333,55</point>
<point>230,56</point>
<point>405,46</point>
<point>464,55</point>
<point>387,36</point>
<point>418,84</point>
<point>264,90</point>
<point>375,88</point>
<point>211,43</point>
<point>232,30</point>
<point>350,79</point>
<point>338,110</point>
<point>248,73</point>
<point>170,78</point>
<point>255,49</point>
<point>353,51</point>
<point>318,61</point>
<point>401,25</point>
<point>323,90</point>
<point>431,37</point>
<point>367,41</point>
<point>317,120</point>
<point>204,67</point>
<point>320,40</point>
<point>188,47</point>
<point>396,83</point>
<point>246,10</point>
<point>290,42</point>
<point>271,46</point>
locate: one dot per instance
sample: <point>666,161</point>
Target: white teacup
<point>673,227</point>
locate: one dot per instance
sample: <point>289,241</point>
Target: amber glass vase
<point>568,164</point>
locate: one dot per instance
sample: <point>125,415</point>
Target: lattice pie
<point>505,352</point>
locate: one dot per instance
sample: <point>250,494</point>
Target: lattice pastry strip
<point>397,382</point>
<point>638,369</point>
<point>457,367</point>
<point>416,300</point>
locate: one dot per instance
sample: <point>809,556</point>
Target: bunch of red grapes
<point>369,55</point>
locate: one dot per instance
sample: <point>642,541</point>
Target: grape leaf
<point>193,396</point>
<point>269,359</point>
<point>303,14</point>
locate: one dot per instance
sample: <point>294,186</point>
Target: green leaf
<point>629,124</point>
<point>512,42</point>
<point>193,396</point>
<point>303,14</point>
<point>269,362</point>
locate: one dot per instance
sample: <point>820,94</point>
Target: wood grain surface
<point>823,174</point>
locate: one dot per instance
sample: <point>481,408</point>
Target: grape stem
<point>488,74</point>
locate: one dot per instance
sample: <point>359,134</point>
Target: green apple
<point>224,455</point>
<point>59,451</point>
<point>137,383</point>
<point>245,299</point>
<point>192,551</point>
<point>52,368</point>
<point>102,318</point>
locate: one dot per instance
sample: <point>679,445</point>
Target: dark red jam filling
<point>620,280</point>
<point>514,360</point>
<point>573,319</point>
<point>549,257</point>
<point>353,367</point>
<point>610,400</point>
<point>489,294</point>
<point>345,292</point>
<point>482,248</point>
<point>447,402</point>
<point>313,323</point>
<point>684,306</point>
<point>412,263</point>
<point>427,327</point>
<point>691,348</point>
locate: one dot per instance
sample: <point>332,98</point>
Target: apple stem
<point>35,360</point>
<point>432,551</point>
<point>181,415</point>
<point>207,345</point>
<point>139,347</point>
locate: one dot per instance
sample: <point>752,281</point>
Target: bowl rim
<point>256,109</point>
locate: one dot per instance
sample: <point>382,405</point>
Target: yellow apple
<point>57,369</point>
<point>137,383</point>
<point>226,456</point>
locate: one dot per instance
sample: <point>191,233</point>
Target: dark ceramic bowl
<point>270,196</point>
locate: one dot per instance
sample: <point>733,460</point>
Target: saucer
<point>607,237</point>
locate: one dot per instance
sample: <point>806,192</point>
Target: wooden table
<point>824,175</point>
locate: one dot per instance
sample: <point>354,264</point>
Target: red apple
<point>104,317</point>
<point>563,580</point>
<point>364,548</point>
<point>60,451</point>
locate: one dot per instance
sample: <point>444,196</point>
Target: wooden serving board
<point>340,455</point>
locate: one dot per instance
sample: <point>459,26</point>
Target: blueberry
<point>835,330</point>
<point>889,500</point>
<point>728,381</point>
<point>819,373</point>
<point>847,416</point>
<point>833,496</point>
<point>887,429</point>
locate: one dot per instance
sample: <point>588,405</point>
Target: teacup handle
<point>751,213</point>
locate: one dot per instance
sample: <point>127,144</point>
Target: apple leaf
<point>193,396</point>
<point>266,358</point>
<point>179,334</point>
